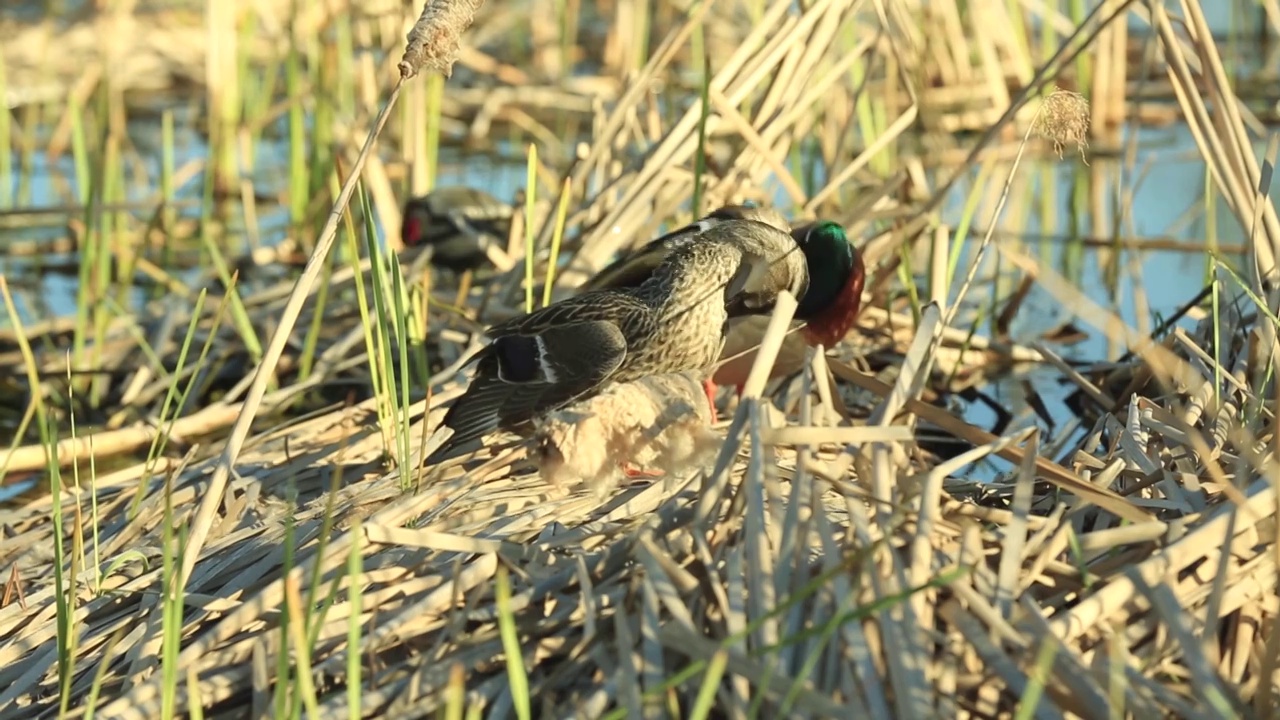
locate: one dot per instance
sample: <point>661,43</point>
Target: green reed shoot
<point>79,150</point>
<point>1041,670</point>
<point>29,117</point>
<point>371,341</point>
<point>49,439</point>
<point>239,315</point>
<point>455,693</point>
<point>172,604</point>
<point>312,340</point>
<point>316,621</point>
<point>298,180</point>
<point>867,108</point>
<point>99,675</point>
<point>281,695</point>
<point>323,120</point>
<point>78,543</point>
<point>562,213</point>
<point>305,692</point>
<point>256,94</point>
<point>1078,11</point>
<point>966,220</point>
<point>435,99</point>
<point>344,87</point>
<point>1211,278</point>
<point>167,191</point>
<point>517,679</point>
<point>388,303</point>
<point>531,181</point>
<point>173,400</point>
<point>64,586</point>
<point>85,190</point>
<point>6,145</point>
<point>355,571</point>
<point>710,684</point>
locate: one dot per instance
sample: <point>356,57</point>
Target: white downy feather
<point>660,422</point>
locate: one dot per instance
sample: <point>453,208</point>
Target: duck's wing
<point>522,375</point>
<point>634,268</point>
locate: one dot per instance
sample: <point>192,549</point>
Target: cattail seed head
<point>1063,119</point>
<point>433,40</point>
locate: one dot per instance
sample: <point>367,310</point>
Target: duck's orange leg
<point>710,386</point>
<point>633,472</point>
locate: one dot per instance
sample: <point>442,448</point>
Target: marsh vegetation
<point>1038,479</point>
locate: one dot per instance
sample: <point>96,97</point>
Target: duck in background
<point>829,308</point>
<point>672,321</point>
<point>457,224</point>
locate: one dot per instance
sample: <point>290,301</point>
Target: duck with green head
<point>829,307</point>
<point>673,320</point>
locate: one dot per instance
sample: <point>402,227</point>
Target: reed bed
<point>229,516</point>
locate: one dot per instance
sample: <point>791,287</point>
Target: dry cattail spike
<point>433,41</point>
<point>1064,118</point>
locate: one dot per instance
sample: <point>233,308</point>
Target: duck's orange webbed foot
<point>633,472</point>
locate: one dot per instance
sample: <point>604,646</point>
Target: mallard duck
<point>673,321</point>
<point>457,223</point>
<point>829,308</point>
<point>656,425</point>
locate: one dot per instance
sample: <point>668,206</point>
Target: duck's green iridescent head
<point>829,256</point>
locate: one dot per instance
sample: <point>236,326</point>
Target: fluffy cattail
<point>433,41</point>
<point>1064,120</point>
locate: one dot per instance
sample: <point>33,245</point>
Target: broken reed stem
<point>288,318</point>
<point>1063,117</point>
<point>433,43</point>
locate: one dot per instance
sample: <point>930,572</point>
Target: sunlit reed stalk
<point>701,60</point>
